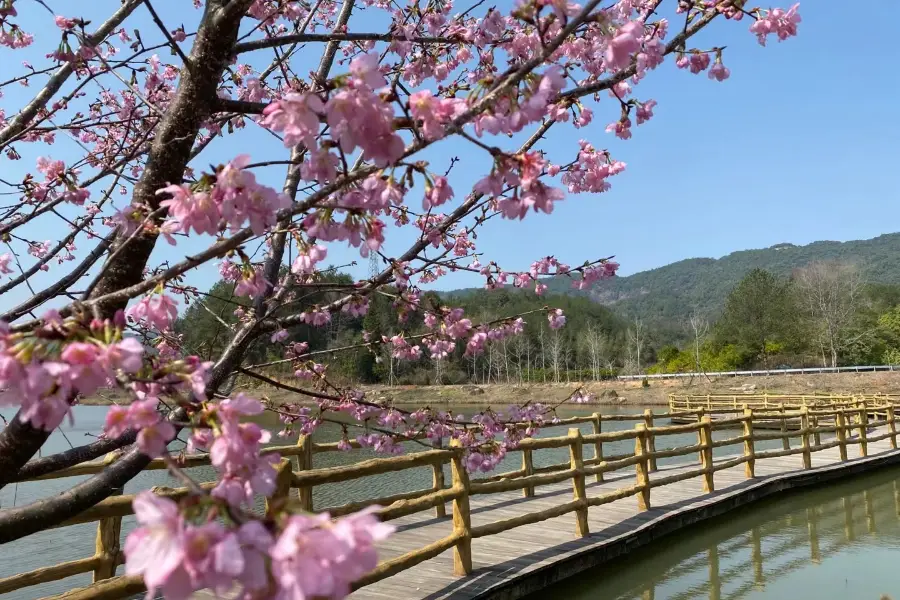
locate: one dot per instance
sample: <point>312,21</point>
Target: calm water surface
<point>840,542</point>
<point>58,545</point>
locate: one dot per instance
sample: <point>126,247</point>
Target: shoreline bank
<point>608,393</point>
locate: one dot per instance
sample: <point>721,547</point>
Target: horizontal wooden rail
<point>527,519</point>
<point>352,507</point>
<point>408,560</point>
<point>407,507</point>
<point>497,487</point>
<point>108,589</point>
<point>47,574</point>
<point>366,468</point>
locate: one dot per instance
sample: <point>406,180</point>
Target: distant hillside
<point>664,297</point>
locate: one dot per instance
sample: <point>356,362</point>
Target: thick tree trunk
<point>169,154</point>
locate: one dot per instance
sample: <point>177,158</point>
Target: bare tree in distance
<point>598,346</point>
<point>829,292</point>
<point>700,329</point>
<point>636,340</point>
<point>556,347</point>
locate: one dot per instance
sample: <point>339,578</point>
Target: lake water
<point>840,542</point>
<point>58,545</point>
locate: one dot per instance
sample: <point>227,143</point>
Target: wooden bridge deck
<point>501,558</point>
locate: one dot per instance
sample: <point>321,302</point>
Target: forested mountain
<point>665,297</point>
<point>827,303</point>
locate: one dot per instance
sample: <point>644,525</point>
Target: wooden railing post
<point>282,490</point>
<point>651,441</point>
<point>305,463</point>
<point>785,442</point>
<point>597,422</point>
<point>700,415</point>
<point>708,402</point>
<point>841,432</point>
<point>863,418</point>
<point>109,531</point>
<point>576,463</point>
<point>817,437</point>
<point>462,520</point>
<point>641,467</point>
<point>706,454</point>
<point>748,443</point>
<point>528,469</point>
<point>804,437</point>
<point>892,425</point>
<point>437,483</point>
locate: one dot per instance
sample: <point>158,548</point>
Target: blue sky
<point>799,145</point>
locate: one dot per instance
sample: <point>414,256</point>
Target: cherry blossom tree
<point>357,98</point>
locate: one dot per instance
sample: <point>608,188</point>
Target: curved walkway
<point>525,559</point>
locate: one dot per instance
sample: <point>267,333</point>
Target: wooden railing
<point>848,423</point>
<point>709,402</point>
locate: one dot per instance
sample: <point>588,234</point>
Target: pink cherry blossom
<point>64,23</point>
<point>297,116</point>
<point>191,210</point>
<point>625,42</point>
<point>434,112</point>
<point>719,72</point>
<point>645,111</point>
<point>782,23</point>
<point>156,548</point>
<point>556,318</point>
<point>305,263</point>
<point>437,193</point>
<point>158,311</point>
<point>5,259</point>
<point>153,440</point>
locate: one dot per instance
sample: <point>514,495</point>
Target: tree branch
<point>169,153</point>
<point>73,456</point>
<point>295,38</point>
<point>21,120</point>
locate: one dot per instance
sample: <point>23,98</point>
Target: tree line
<point>823,314</point>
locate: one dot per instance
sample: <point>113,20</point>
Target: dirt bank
<point>607,392</point>
<point>633,392</point>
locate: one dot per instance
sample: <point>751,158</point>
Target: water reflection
<point>839,542</point>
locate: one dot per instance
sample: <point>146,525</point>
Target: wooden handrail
<point>849,418</point>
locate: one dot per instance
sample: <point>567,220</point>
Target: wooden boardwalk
<point>504,557</point>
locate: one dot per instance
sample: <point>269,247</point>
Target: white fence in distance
<point>764,373</point>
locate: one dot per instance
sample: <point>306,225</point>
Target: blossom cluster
<point>231,198</point>
<point>154,433</point>
<point>43,371</point>
<point>304,556</point>
<point>234,449</point>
